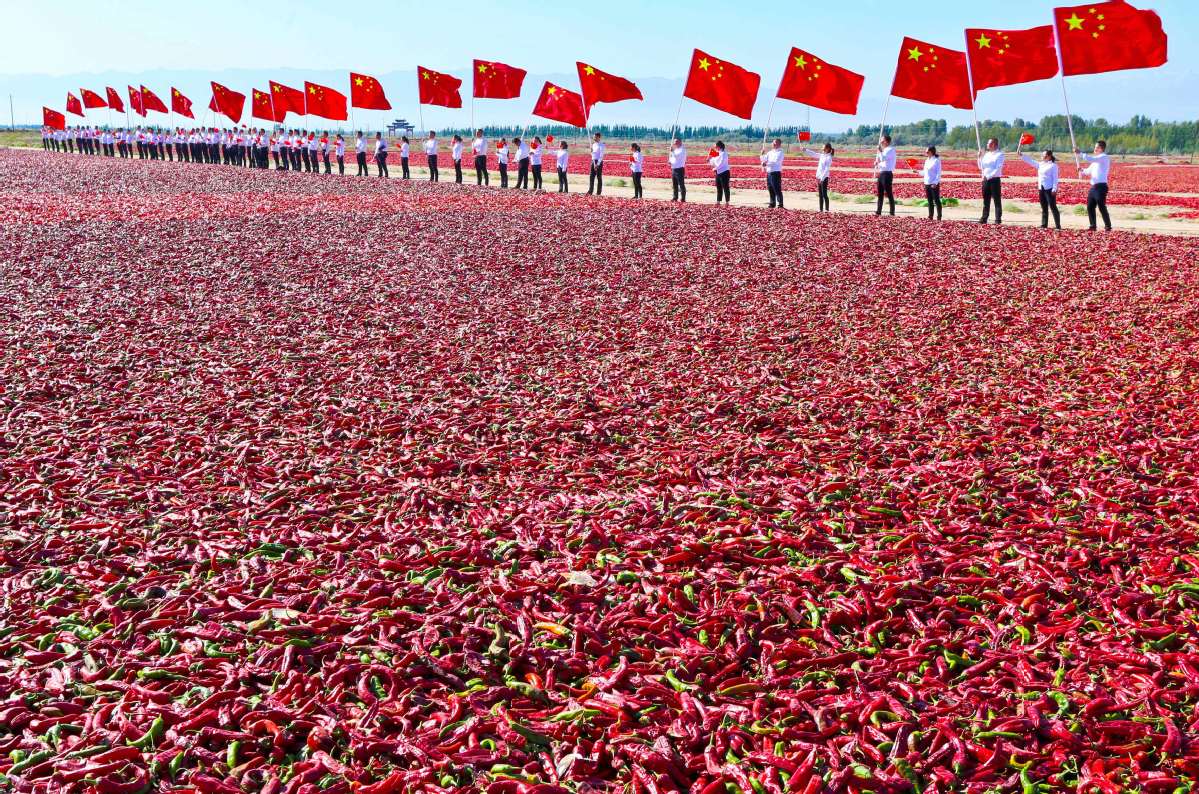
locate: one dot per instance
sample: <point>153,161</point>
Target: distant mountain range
<point>1116,96</point>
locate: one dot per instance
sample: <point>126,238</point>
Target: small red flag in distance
<point>913,164</point>
<point>549,138</point>
<point>1107,37</point>
<point>495,80</point>
<point>722,85</point>
<point>932,74</point>
<point>74,105</point>
<point>53,119</point>
<point>92,100</point>
<point>367,93</point>
<point>805,136</point>
<point>1027,138</point>
<point>325,102</point>
<point>438,89</point>
<point>181,104</point>
<point>598,86</point>
<point>150,101</point>
<point>558,104</point>
<point>114,100</point>
<point>1009,57</point>
<point>811,81</point>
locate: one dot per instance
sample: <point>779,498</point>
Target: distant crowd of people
<point>302,150</point>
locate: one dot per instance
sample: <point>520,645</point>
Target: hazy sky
<point>637,39</point>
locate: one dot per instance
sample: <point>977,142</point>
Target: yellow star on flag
<point>483,68</point>
<point>914,54</point>
<point>800,62</point>
<point>705,64</point>
<point>312,89</point>
<point>589,70</point>
<point>1075,22</point>
<point>358,81</point>
<point>552,90</point>
<point>982,41</point>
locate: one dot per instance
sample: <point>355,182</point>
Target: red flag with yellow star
<point>286,99</point>
<point>814,82</point>
<point>495,80</point>
<point>935,75</point>
<point>53,119</point>
<point>261,107</point>
<point>438,89</point>
<point>1106,37</point>
<point>150,101</point>
<point>135,101</point>
<point>228,102</point>
<point>558,104</point>
<point>74,105</point>
<point>114,100</point>
<point>598,86</point>
<point>181,104</point>
<point>1008,57</point>
<point>367,93</point>
<point>92,100</point>
<point>328,103</point>
<point>722,85</point>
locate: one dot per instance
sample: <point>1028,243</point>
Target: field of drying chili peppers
<point>351,486</point>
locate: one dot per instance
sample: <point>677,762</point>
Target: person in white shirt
<point>325,146</point>
<point>719,160</point>
<point>990,163</point>
<point>535,161</point>
<point>772,164</point>
<point>930,173</point>
<point>314,152</point>
<point>479,147</point>
<point>678,171</point>
<point>46,138</point>
<point>1047,179</point>
<point>381,154</point>
<point>501,156</point>
<point>636,168</point>
<point>1098,171</point>
<point>431,156</point>
<point>360,153</point>
<point>563,163</point>
<point>595,182</point>
<point>884,169</point>
<point>456,148</point>
<point>339,149</point>
<point>824,167</point>
<point>520,150</point>
<point>405,150</point>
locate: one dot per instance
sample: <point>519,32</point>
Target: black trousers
<point>503,175</point>
<point>381,162</point>
<point>886,187</point>
<point>722,187</point>
<point>481,177</point>
<point>361,164</point>
<point>214,153</point>
<point>637,185</point>
<point>328,166</point>
<point>341,164</point>
<point>46,144</point>
<point>932,193</point>
<point>562,188</point>
<point>458,171</point>
<point>522,174</point>
<point>993,194</point>
<point>774,186</point>
<point>537,177</point>
<point>678,184</point>
<point>434,176</point>
<point>1097,200</point>
<point>822,195</point>
<point>595,182</point>
<point>1049,205</point>
<point>404,168</point>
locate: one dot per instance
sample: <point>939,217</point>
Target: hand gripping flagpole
<point>1061,70</point>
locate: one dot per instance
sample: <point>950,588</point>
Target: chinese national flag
<point>74,105</point>
<point>135,101</point>
<point>1106,37</point>
<point>820,84</point>
<point>53,119</point>
<point>92,100</point>
<point>600,86</point>
<point>1008,57</point>
<point>722,85</point>
<point>558,104</point>
<point>367,93</point>
<point>181,104</point>
<point>114,100</point>
<point>935,75</point>
<point>1027,139</point>
<point>494,80</point>
<point>260,106</point>
<point>228,102</point>
<point>326,102</point>
<point>150,101</point>
<point>438,89</point>
<point>286,100</point>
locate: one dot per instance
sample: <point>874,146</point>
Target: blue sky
<point>153,42</point>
